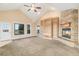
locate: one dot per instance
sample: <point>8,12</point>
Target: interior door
<point>5,31</point>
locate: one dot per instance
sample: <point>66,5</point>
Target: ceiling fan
<point>33,7</point>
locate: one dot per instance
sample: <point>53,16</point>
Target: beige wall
<point>78,25</point>
<point>46,28</point>
<point>50,14</point>
<point>51,28</point>
<point>17,16</point>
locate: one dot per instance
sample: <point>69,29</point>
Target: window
<point>18,29</point>
<point>5,27</point>
<point>28,29</point>
<point>38,29</point>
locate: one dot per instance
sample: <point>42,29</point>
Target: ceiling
<point>45,8</point>
<point>9,6</point>
<point>60,6</point>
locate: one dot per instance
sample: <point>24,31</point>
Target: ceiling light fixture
<point>33,7</point>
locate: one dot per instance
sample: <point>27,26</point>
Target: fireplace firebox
<point>66,32</point>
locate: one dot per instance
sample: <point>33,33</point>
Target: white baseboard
<point>3,43</point>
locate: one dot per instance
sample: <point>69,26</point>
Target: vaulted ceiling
<point>46,7</point>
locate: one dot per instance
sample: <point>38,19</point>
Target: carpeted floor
<point>37,47</point>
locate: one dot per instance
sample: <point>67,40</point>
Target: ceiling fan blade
<point>35,10</point>
<point>27,6</point>
<point>28,9</point>
<point>38,7</point>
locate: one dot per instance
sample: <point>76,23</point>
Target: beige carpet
<point>37,47</point>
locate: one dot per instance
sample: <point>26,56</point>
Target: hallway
<point>35,46</point>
